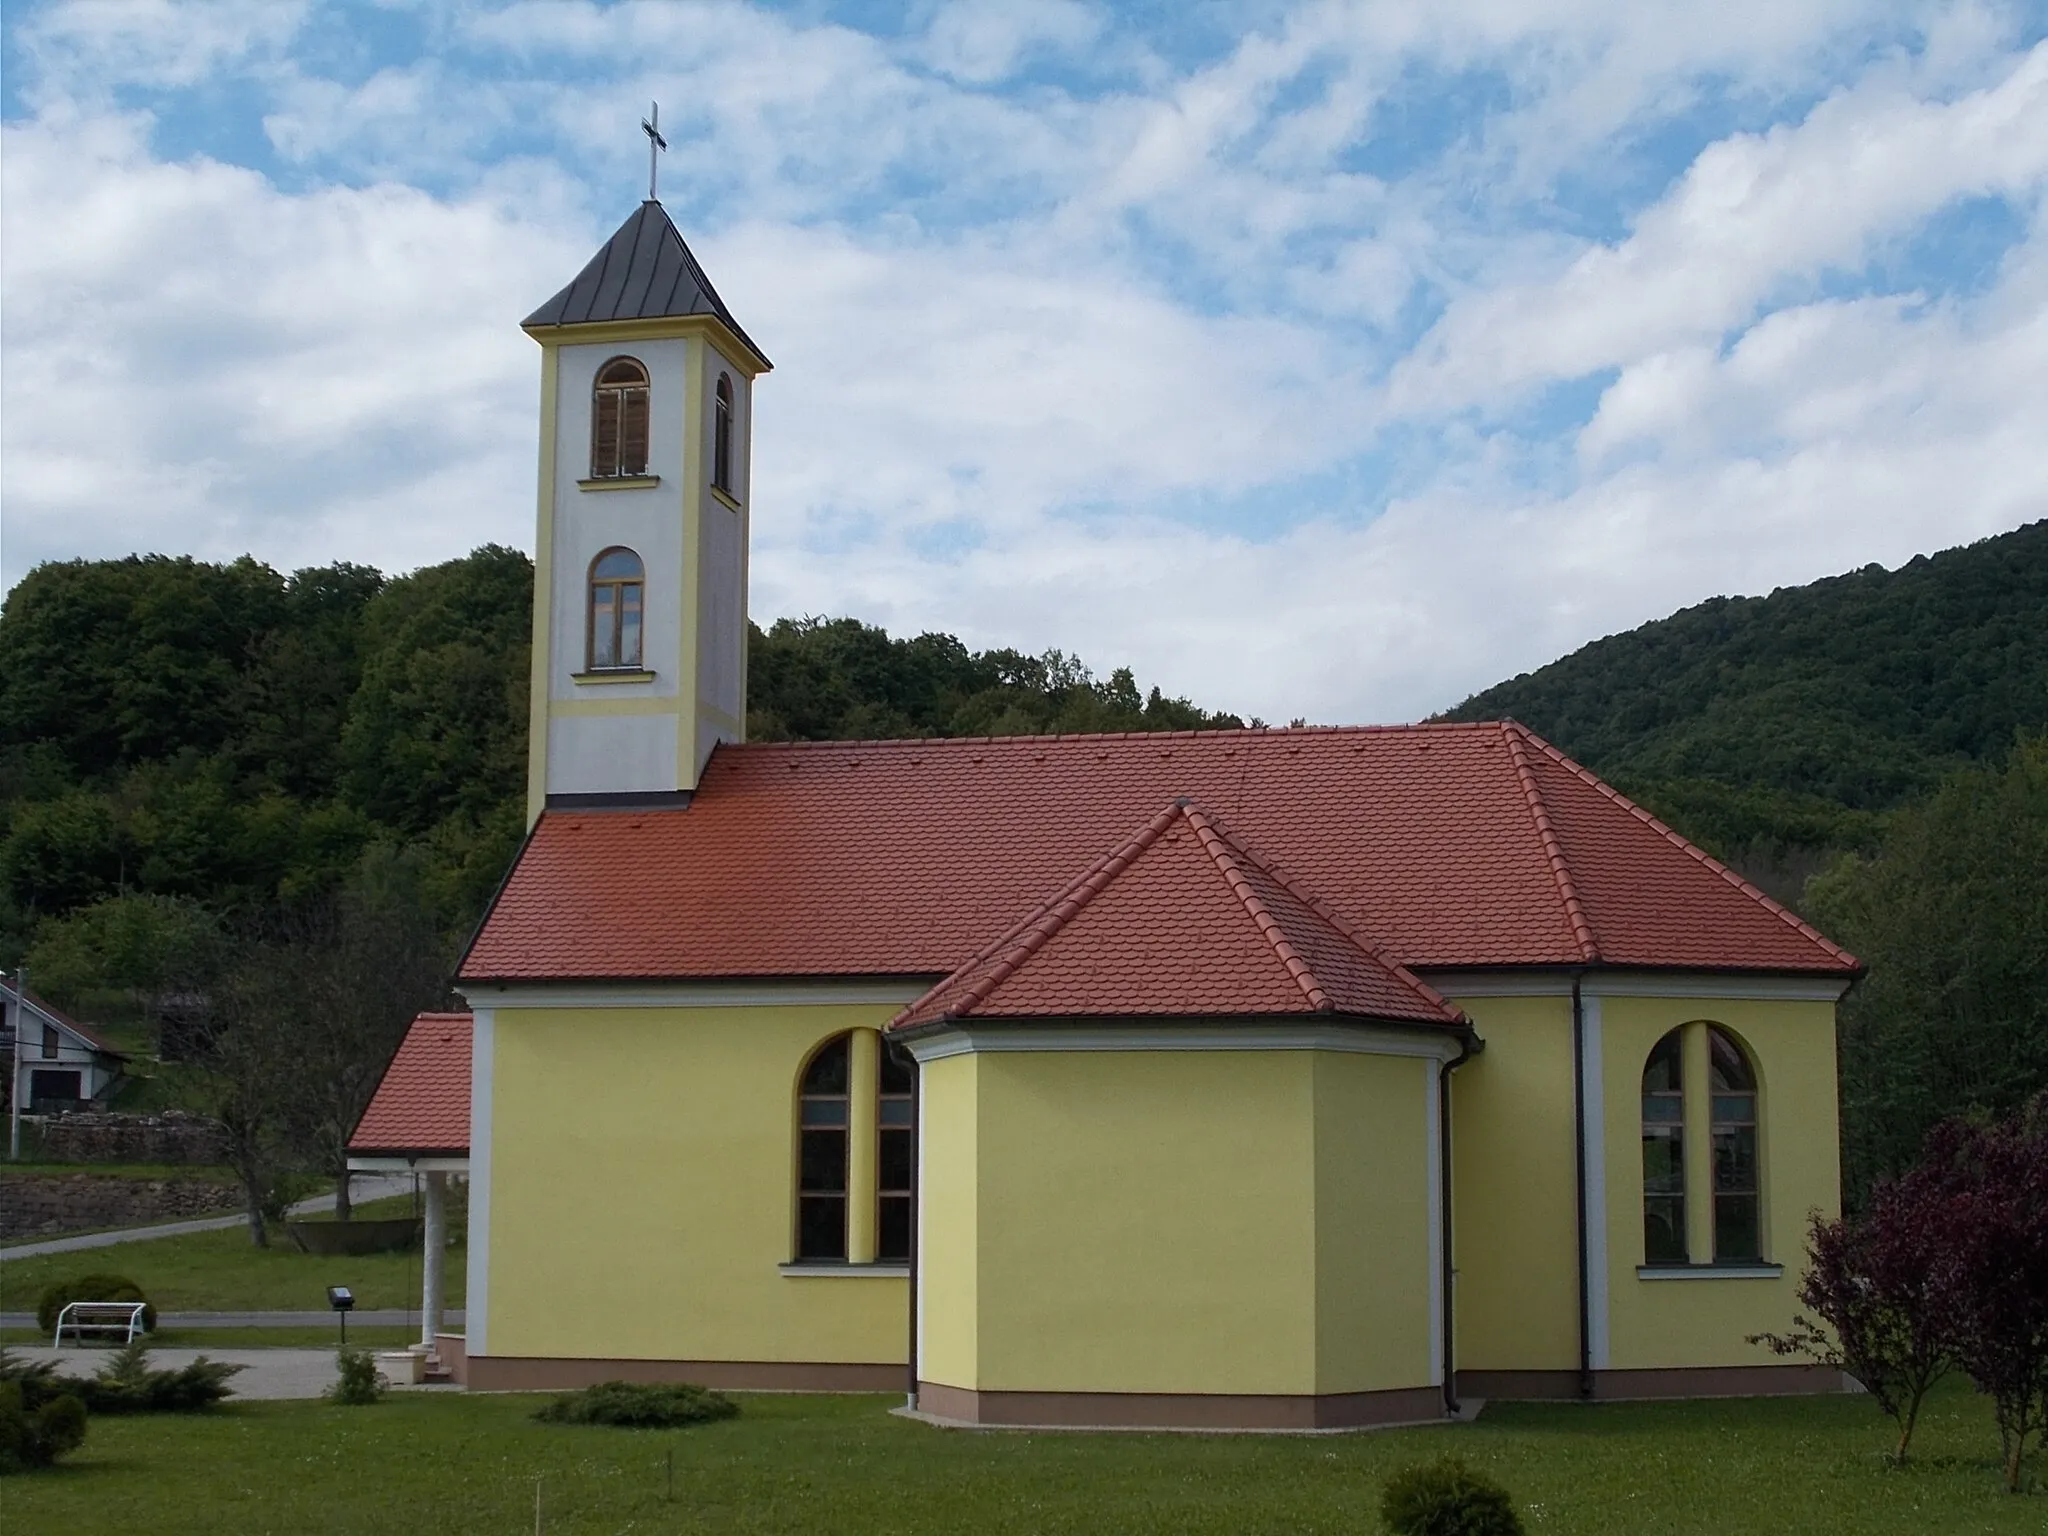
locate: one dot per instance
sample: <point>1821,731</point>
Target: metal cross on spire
<point>651,126</point>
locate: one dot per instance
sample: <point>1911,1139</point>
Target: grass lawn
<point>224,1272</point>
<point>844,1464</point>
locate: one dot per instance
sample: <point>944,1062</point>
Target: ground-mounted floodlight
<point>342,1299</point>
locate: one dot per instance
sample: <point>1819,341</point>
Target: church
<point>1263,1079</point>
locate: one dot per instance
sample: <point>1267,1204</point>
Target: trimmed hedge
<point>91,1288</point>
<point>640,1405</point>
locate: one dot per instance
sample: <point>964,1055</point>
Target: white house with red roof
<point>1237,1079</point>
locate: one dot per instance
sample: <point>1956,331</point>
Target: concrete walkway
<point>374,1317</point>
<point>367,1187</point>
<point>272,1375</point>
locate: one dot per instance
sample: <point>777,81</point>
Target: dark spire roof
<point>642,273</point>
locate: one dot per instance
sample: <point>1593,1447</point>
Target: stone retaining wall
<point>49,1204</point>
<point>171,1137</point>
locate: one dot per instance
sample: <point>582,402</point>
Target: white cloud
<point>86,48</point>
<point>198,362</point>
<point>980,41</point>
<point>1754,212</point>
<point>1090,361</point>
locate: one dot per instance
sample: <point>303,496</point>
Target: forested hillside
<point>227,736</point>
<point>221,783</point>
<point>1765,725</point>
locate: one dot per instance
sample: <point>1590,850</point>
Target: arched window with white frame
<point>721,434</point>
<point>617,598</point>
<point>856,1154</point>
<point>1702,1161</point>
<point>618,420</point>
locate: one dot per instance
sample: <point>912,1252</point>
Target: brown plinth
<point>452,1350</point>
<point>1624,1386</point>
<point>1177,1410</point>
<point>522,1373</point>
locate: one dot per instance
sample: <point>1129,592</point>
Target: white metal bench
<point>103,1319</point>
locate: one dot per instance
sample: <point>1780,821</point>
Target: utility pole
<point>14,1064</point>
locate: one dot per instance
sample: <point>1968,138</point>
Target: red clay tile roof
<point>1452,845</point>
<point>1181,920</point>
<point>422,1105</point>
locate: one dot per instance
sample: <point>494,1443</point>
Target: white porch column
<point>434,1258</point>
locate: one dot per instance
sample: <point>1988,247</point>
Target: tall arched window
<point>856,1152</point>
<point>1738,1225</point>
<point>721,435</point>
<point>1664,1154</point>
<point>1699,1080</point>
<point>617,582</point>
<point>897,1121</point>
<point>618,420</point>
<point>822,1105</point>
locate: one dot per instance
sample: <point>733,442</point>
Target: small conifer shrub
<point>640,1405</point>
<point>1447,1498</point>
<point>127,1383</point>
<point>32,1437</point>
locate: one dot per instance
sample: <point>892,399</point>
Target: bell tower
<point>640,565</point>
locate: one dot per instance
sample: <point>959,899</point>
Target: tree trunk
<point>254,1201</point>
<point>344,1206</point>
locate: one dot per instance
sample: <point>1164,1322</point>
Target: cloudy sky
<point>1318,360</point>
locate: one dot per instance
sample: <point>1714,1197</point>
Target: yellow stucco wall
<point>1146,1222</point>
<point>1176,1221</point>
<point>1373,1320</point>
<point>948,1254</point>
<point>1515,1189</point>
<point>1698,1322</point>
<point>641,1176</point>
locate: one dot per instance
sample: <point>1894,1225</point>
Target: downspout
<point>1585,1216</point>
<point>916,1198</point>
<point>1468,1047</point>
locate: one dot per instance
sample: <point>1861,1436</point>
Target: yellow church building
<point>1234,1079</point>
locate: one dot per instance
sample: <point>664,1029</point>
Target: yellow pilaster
<point>1699,1145</point>
<point>862,1144</point>
<point>538,686</point>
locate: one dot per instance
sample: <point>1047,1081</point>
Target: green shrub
<point>359,1382</point>
<point>126,1384</point>
<point>640,1405</point>
<point>36,1380</point>
<point>1447,1498</point>
<point>91,1288</point>
<point>32,1437</point>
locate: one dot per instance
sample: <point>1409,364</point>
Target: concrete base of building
<point>1637,1385</point>
<point>962,1407</point>
<point>525,1373</point>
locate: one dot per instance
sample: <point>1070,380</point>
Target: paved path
<point>367,1187</point>
<point>374,1317</point>
<point>272,1374</point>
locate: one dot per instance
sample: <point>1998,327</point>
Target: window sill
<point>730,500</point>
<point>1709,1271</point>
<point>620,483</point>
<point>824,1269</point>
<point>613,675</point>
